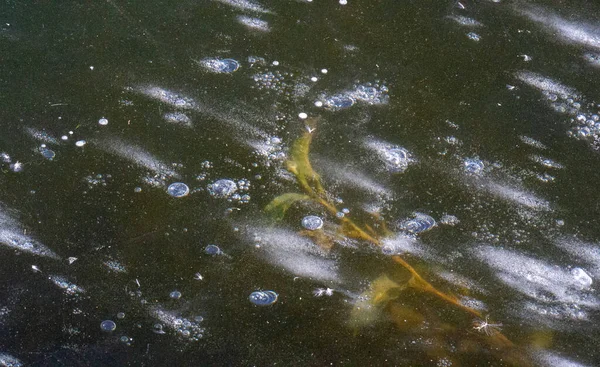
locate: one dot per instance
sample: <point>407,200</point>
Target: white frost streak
<point>297,255</point>
<point>544,84</point>
<point>537,279</point>
<point>11,235</point>
<point>136,155</point>
<point>570,31</point>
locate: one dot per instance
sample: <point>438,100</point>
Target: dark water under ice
<point>141,141</point>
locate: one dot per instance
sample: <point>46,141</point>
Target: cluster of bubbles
<point>126,340</point>
<point>419,223</point>
<point>68,287</point>
<point>549,314</point>
<point>47,138</point>
<point>256,61</point>
<point>312,222</point>
<point>115,266</point>
<point>566,100</point>
<point>189,329</point>
<point>219,66</point>
<point>545,177</point>
<point>587,126</point>
<point>396,158</point>
<point>546,162</point>
<point>272,80</point>
<point>532,142</point>
<point>473,36</point>
<point>243,185</point>
<point>449,220</point>
<point>178,118</point>
<point>222,188</point>
<point>562,99</point>
<point>465,21</point>
<point>369,93</point>
<point>166,96</point>
<point>263,298</point>
<point>272,148</point>
<point>228,189</point>
<point>342,213</point>
<point>42,135</point>
<point>97,180</point>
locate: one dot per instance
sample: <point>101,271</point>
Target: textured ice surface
<point>296,254</point>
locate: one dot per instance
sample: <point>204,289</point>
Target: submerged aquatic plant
<point>385,290</point>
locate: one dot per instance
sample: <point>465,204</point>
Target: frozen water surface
<point>158,160</point>
<point>137,156</point>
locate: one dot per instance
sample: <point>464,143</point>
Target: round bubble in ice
<point>47,153</point>
<point>396,159</point>
<point>228,65</point>
<point>365,92</point>
<point>175,295</point>
<point>339,102</point>
<point>312,222</point>
<point>222,188</point>
<point>178,189</point>
<point>473,166</point>
<point>263,298</point>
<point>212,250</point>
<point>224,66</point>
<point>420,223</point>
<point>108,325</point>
